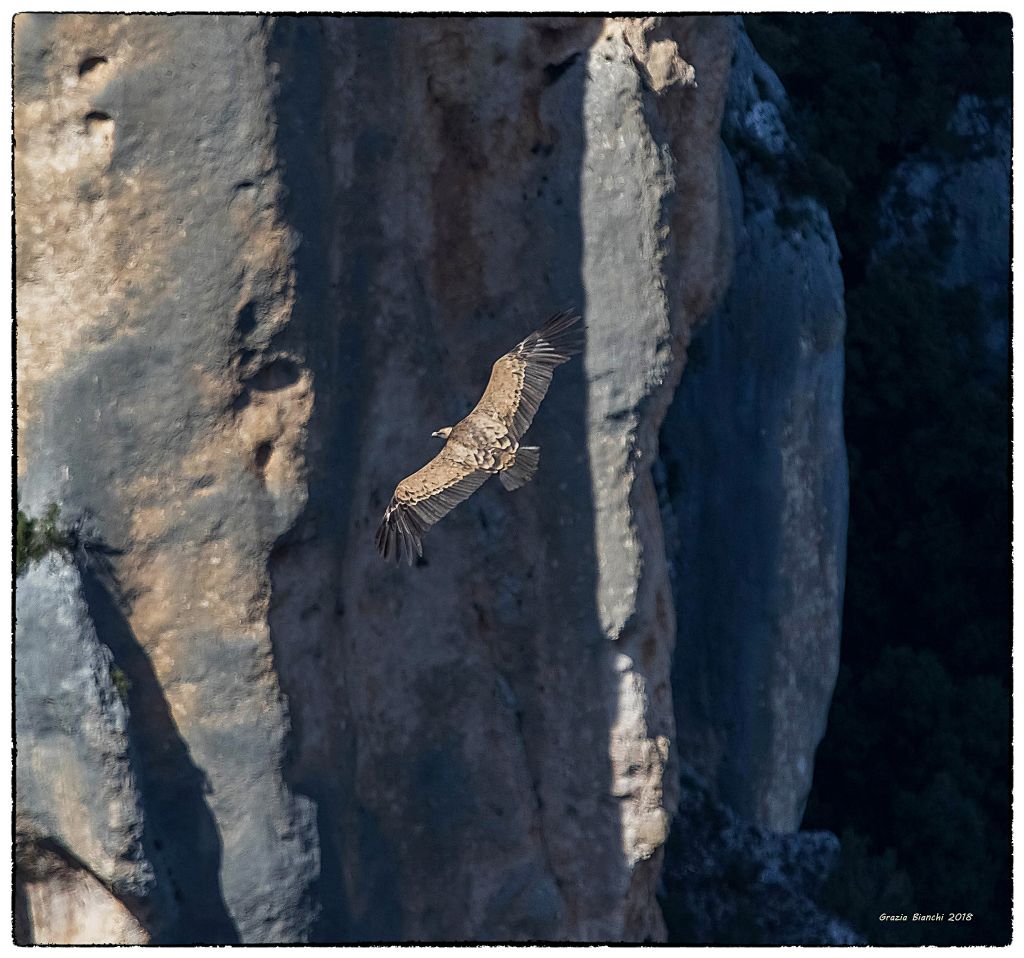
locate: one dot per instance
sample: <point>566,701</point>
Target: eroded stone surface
<point>155,408</point>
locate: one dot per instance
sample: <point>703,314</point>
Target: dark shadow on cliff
<point>729,882</point>
<point>556,658</point>
<point>721,533</point>
<point>180,836</point>
<point>551,651</point>
<point>332,352</point>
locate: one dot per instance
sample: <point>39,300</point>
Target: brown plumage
<point>485,443</point>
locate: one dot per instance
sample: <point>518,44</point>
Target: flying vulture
<point>484,443</point>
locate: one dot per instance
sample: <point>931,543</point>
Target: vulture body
<point>485,443</point>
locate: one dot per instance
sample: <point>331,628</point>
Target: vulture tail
<point>523,469</point>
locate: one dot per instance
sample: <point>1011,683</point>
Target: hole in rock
<point>89,64</point>
<point>245,319</point>
<point>262,455</point>
<point>98,125</point>
<point>554,70</point>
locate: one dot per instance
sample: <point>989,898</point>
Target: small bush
<point>122,684</point>
<point>35,538</point>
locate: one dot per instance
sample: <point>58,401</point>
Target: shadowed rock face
<point>730,882</point>
<point>755,485</point>
<point>259,262</point>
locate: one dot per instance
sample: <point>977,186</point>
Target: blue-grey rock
<point>76,789</point>
<point>754,490</point>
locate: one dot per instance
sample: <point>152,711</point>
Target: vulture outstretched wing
<point>484,442</point>
<point>520,379</point>
<point>422,499</point>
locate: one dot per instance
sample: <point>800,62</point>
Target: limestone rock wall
<point>259,261</point>
<point>510,700</point>
<point>754,484</point>
<point>157,409</point>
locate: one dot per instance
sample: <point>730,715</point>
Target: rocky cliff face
<point>755,483</point>
<point>83,877</point>
<point>259,261</point>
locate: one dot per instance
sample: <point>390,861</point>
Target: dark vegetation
<point>868,90</point>
<point>35,537</point>
<point>914,771</point>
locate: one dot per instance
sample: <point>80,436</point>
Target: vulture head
<point>442,433</point>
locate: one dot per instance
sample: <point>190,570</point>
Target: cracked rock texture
<point>259,261</point>
<point>59,902</point>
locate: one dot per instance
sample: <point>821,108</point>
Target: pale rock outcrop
<point>81,840</point>
<point>60,903</point>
